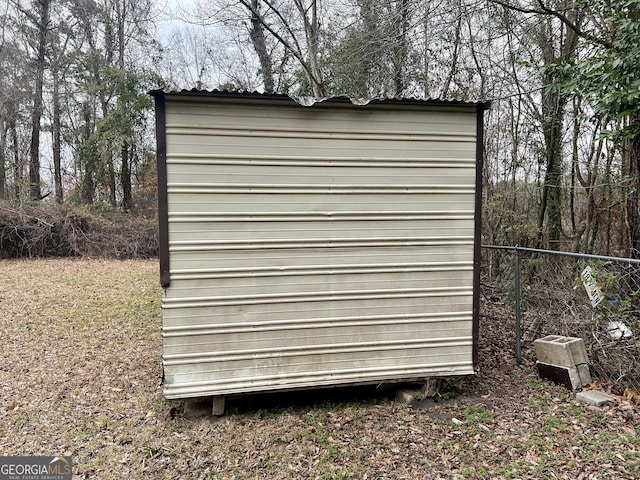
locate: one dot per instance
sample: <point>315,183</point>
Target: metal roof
<point>309,101</point>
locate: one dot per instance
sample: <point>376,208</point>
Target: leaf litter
<point>80,368</point>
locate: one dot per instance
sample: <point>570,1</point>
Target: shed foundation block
<point>561,351</point>
<point>571,377</point>
<point>197,407</point>
<point>595,397</point>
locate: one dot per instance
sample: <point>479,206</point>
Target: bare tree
<point>41,20</point>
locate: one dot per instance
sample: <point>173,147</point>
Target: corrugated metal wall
<point>316,245</point>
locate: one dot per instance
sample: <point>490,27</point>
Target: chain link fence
<point>593,297</point>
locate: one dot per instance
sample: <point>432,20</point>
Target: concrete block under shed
<point>571,377</point>
<point>204,406</point>
<point>197,407</point>
<point>561,351</point>
<point>408,395</point>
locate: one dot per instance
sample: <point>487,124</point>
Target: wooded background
<point>562,139</point>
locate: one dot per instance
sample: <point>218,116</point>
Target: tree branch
<point>572,26</point>
<point>545,10</point>
<point>294,48</point>
<point>295,51</point>
<point>284,21</point>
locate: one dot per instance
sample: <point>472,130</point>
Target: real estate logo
<point>35,468</point>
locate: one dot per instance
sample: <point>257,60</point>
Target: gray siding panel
<point>316,246</point>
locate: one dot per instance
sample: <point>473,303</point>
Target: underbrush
<point>48,230</point>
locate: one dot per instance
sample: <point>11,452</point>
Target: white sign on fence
<point>590,285</point>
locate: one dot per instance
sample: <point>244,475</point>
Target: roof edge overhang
<point>310,101</point>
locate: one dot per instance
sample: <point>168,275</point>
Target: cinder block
<point>562,351</point>
<point>595,397</point>
<point>584,373</point>
<point>407,396</point>
<point>571,377</point>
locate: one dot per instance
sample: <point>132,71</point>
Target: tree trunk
<point>260,45</point>
<point>309,61</point>
<point>125,157</point>
<point>111,176</point>
<point>17,161</point>
<point>57,142</point>
<point>553,184</point>
<point>312,33</point>
<point>3,160</point>
<point>633,196</point>
<point>87,159</point>
<point>454,55</point>
<point>125,178</point>
<point>401,51</point>
<point>35,191</point>
<point>121,18</point>
<point>608,197</point>
<point>552,122</point>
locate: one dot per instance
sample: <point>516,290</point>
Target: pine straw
<point>81,364</point>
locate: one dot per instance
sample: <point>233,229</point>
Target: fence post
<point>518,312</point>
<point>630,373</point>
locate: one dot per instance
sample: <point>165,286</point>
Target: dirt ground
<point>80,369</point>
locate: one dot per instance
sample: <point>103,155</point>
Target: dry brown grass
<point>80,367</point>
<point>81,360</point>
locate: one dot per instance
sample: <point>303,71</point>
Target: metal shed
<point>308,246</point>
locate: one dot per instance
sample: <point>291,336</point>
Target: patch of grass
<point>336,476</point>
<point>150,451</point>
<point>541,402</point>
<point>477,415</point>
<point>302,434</point>
<point>261,414</point>
<point>535,383</point>
<point>555,424</point>
<point>575,411</point>
<point>94,428</point>
<point>533,443</point>
<point>516,470</point>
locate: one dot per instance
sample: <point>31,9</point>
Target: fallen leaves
<point>624,395</point>
<point>80,369</point>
